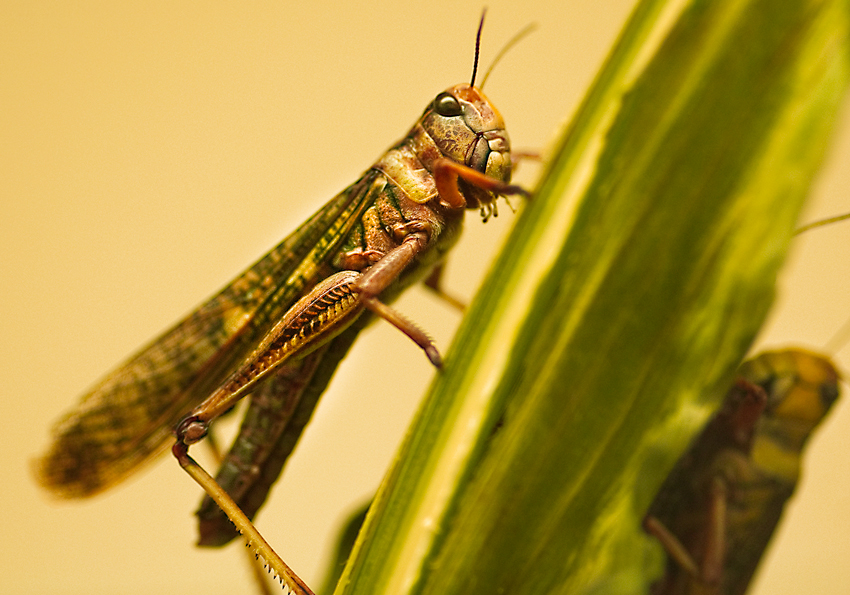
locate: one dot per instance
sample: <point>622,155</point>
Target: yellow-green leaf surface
<point>631,287</point>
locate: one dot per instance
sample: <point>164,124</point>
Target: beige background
<point>150,153</point>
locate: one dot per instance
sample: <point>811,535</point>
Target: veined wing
<point>128,416</point>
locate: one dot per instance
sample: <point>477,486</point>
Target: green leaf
<point>610,326</point>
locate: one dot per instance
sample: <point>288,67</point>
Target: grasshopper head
<point>468,129</point>
<point>801,387</point>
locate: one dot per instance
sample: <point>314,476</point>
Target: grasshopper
<point>279,330</point>
<point>718,508</point>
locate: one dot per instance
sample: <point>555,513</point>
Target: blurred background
<point>152,151</point>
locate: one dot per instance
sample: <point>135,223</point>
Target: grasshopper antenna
<point>477,46</point>
<point>819,223</point>
<point>839,340</point>
<point>511,43</point>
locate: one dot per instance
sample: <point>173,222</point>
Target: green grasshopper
<point>279,330</point>
<point>718,508</point>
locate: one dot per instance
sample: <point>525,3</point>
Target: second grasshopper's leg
<point>671,544</point>
<point>710,570</point>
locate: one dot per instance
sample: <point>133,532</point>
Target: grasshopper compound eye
<point>446,105</point>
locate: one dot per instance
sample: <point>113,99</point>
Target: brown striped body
<point>719,506</point>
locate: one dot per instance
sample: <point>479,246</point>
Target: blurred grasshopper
<point>279,330</point>
<point>718,508</point>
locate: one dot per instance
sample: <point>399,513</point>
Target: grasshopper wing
<point>128,416</point>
